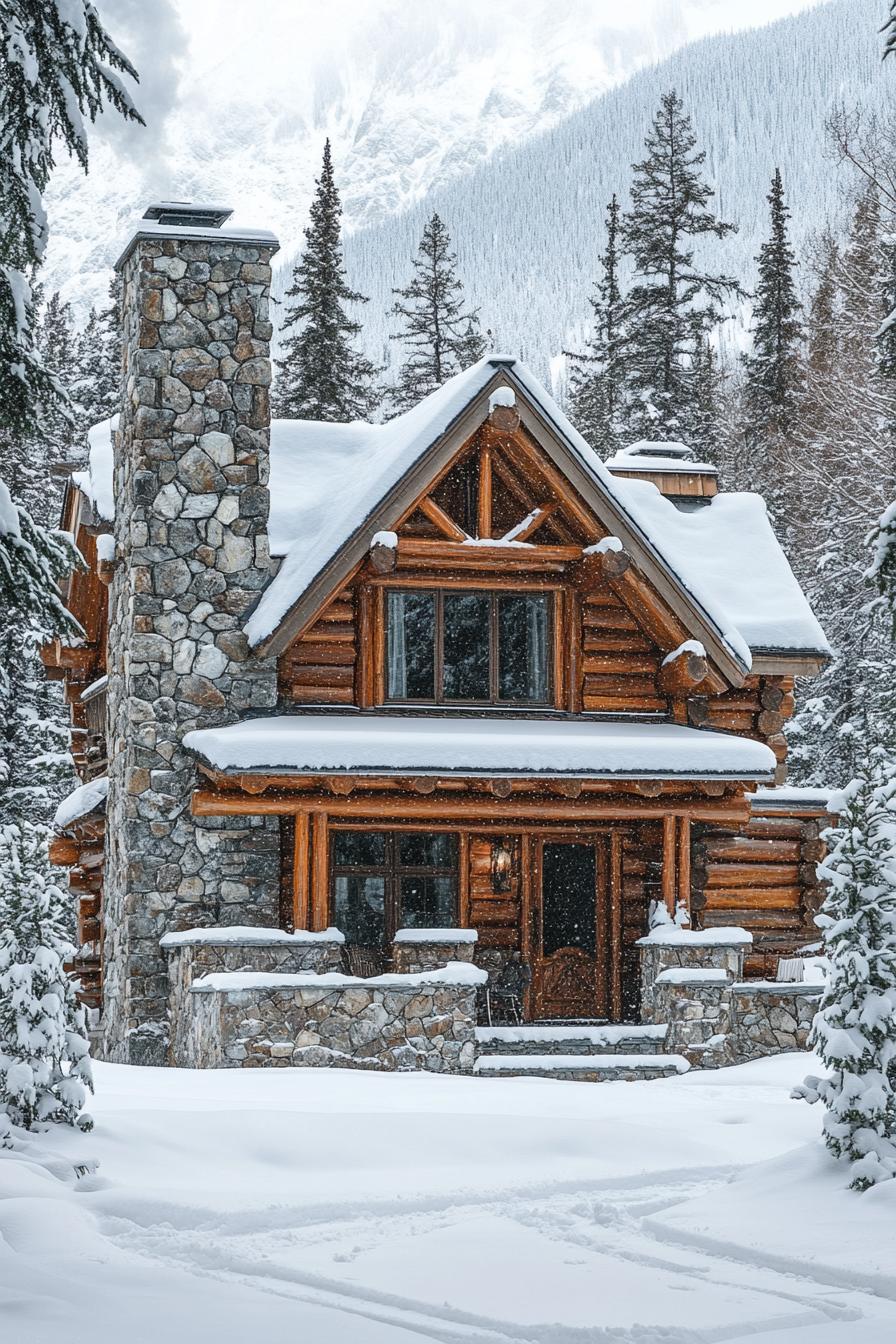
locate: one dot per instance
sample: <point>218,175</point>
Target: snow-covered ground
<point>348,1208</point>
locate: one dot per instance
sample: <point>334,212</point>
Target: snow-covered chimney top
<point>670,466</point>
<point>192,222</point>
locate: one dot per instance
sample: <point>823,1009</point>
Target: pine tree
<point>57,68</point>
<point>596,382</point>
<point>441,336</point>
<point>702,421</point>
<point>854,1030</point>
<point>669,212</point>
<point>774,368</point>
<point>838,479</point>
<point>96,385</point>
<point>44,1054</point>
<point>321,375</point>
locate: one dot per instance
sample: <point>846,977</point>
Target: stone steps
<point>593,1068</point>
<point>570,1038</point>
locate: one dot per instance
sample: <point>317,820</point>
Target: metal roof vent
<point>187,215</point>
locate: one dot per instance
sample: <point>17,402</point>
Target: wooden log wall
<point>496,914</point>
<point>620,665</point>
<point>83,856</point>
<point>319,668</point>
<point>761,877</point>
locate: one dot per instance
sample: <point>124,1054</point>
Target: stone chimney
<point>191,545</point>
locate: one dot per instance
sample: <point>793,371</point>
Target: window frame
<point>494,595</point>
<point>392,871</point>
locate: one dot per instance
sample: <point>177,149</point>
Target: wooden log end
<point>504,418</point>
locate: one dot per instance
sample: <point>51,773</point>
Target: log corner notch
<point>607,559</point>
<point>503,414</point>
<point>383,552</point>
<point>684,669</point>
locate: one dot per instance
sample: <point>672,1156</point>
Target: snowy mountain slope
<point>239,98</point>
<point>528,225</point>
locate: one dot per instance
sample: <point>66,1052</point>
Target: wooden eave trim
<point>254,782</point>
<point>801,663</point>
<point>402,499</point>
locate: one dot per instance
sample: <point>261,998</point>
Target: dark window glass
<point>428,902</point>
<point>467,624</point>
<point>359,909</point>
<point>568,880</point>
<point>411,646</point>
<point>417,849</point>
<point>385,881</point>
<point>523,647</point>
<point>359,849</point>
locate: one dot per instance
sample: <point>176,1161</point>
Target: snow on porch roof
<point>420,745</point>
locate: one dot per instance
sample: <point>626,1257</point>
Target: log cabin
<point>451,671</point>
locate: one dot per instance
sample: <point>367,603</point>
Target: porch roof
<point>465,745</point>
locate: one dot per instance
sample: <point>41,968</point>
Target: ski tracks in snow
<point>467,1270</point>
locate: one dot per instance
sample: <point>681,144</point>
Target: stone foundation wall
<point>388,1023</point>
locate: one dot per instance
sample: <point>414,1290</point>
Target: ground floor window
<point>381,881</point>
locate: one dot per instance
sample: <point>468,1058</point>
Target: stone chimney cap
<point>189,233</point>
<point>194,214</point>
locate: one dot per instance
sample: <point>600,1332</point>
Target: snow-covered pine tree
<point>57,69</point>
<point>669,200</point>
<point>96,385</point>
<point>44,1053</point>
<point>441,335</point>
<point>702,423</point>
<point>321,376</point>
<point>843,440</point>
<point>854,1030</point>
<point>596,380</point>
<point>774,367</point>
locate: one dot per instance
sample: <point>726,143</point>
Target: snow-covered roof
<point>791,796</point>
<point>729,559</point>
<point>97,481</point>
<point>87,798</point>
<point>388,744</point>
<point>327,480</point>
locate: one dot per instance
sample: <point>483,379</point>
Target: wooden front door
<point>570,952</point>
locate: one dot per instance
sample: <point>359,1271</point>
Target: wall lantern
<point>502,865</point>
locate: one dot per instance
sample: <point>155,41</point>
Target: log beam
<point>734,809</point>
<point>440,519</point>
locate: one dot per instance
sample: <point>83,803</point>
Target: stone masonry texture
<point>191,477</point>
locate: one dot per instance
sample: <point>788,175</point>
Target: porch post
<point>670,835</point>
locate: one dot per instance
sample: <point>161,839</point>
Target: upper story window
<point>449,647</point>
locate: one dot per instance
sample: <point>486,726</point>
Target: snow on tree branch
<point>58,69</point>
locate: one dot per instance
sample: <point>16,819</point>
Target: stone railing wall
<point>415,950</point>
<point>201,952</point>
<point>693,982</point>
<point>768,1017</point>
<point>253,998</point>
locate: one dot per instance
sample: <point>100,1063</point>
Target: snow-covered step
<point>582,1068</point>
<point>570,1038</point>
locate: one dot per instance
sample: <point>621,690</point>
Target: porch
<point>404,822</point>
